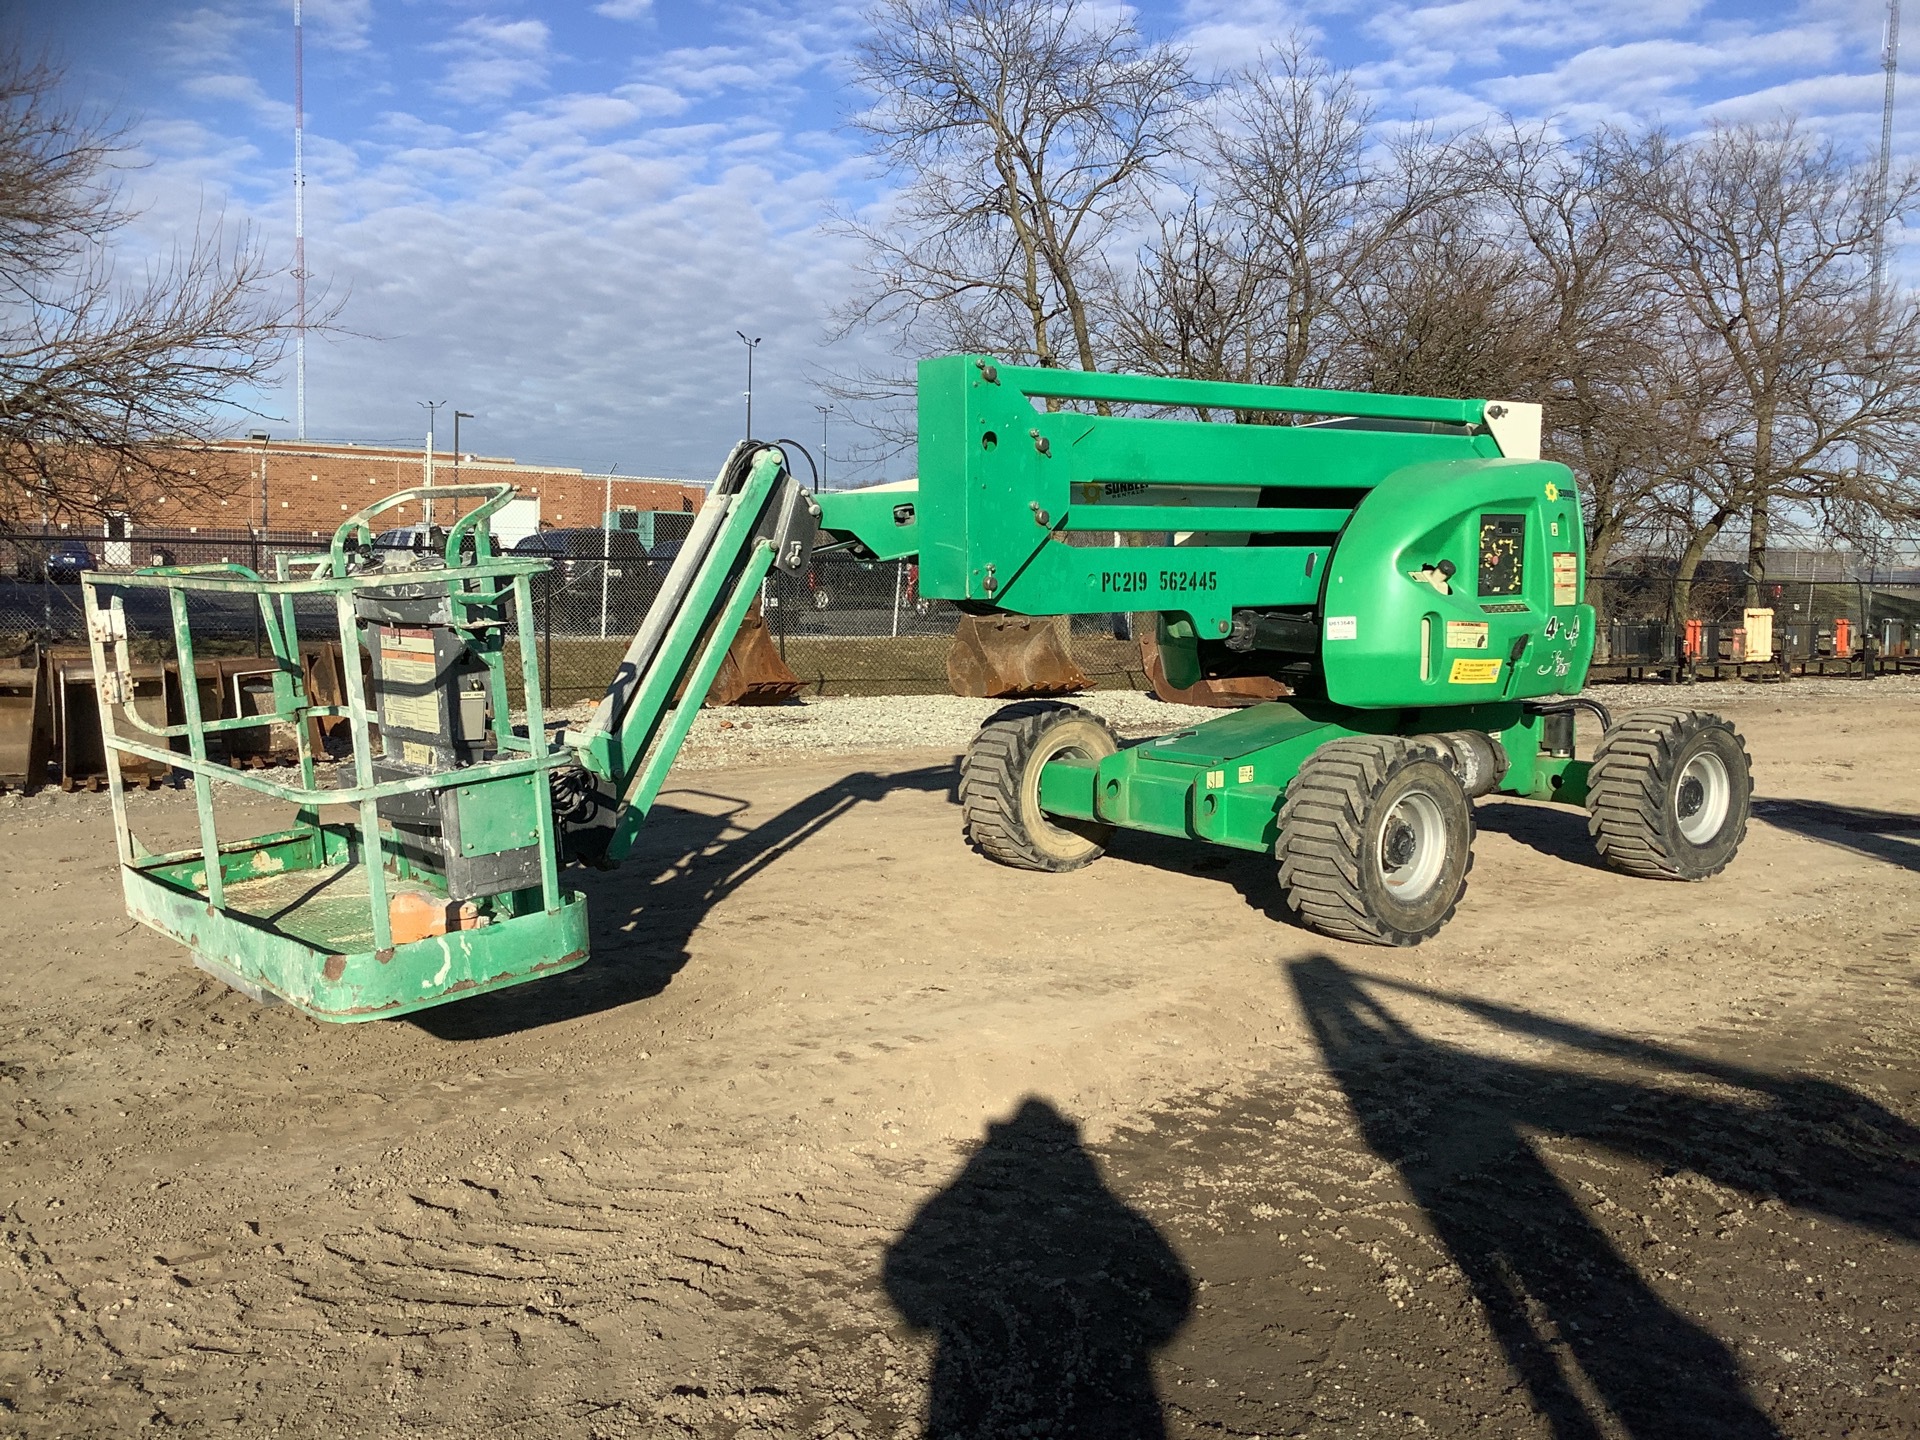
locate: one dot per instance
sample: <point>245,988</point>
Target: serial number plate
<point>1133,582</point>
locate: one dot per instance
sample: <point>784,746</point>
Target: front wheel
<point>1000,786</point>
<point>1376,838</point>
<point>1669,794</point>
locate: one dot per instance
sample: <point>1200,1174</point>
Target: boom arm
<point>1328,544</point>
<point>755,519</point>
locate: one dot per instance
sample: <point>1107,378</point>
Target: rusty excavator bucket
<point>1003,656</point>
<point>1227,693</point>
<point>26,720</point>
<point>753,672</point>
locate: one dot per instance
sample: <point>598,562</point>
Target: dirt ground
<point>845,1131</point>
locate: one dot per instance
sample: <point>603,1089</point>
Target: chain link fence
<point>844,626</point>
<point>1655,620</point>
<point>852,627</point>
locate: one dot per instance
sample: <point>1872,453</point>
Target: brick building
<point>301,489</point>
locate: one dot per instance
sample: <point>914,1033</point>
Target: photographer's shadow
<point>1047,1294</point>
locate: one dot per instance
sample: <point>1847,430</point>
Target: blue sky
<point>555,216</point>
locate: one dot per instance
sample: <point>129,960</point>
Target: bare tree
<point>1624,401</point>
<point>1198,306</point>
<point>1297,202</point>
<point>1027,133</point>
<point>106,380</point>
<point>1449,310</point>
<point>1765,241</point>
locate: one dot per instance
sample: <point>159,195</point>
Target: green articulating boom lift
<point>1408,567</point>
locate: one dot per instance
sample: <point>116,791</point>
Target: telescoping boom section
<point>432,867</point>
<point>1409,569</point>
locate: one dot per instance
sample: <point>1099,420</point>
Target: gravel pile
<point>898,722</point>
<point>842,723</point>
<point>1733,694</point>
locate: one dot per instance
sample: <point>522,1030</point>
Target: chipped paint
<point>268,948</point>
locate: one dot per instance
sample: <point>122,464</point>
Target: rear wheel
<point>1000,786</point>
<point>1669,794</point>
<point>1376,838</point>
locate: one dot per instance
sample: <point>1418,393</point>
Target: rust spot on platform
<point>335,967</point>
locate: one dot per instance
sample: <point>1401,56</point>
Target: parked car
<point>420,540</point>
<point>66,559</point>
<point>411,537</point>
<point>577,554</point>
<point>599,581</point>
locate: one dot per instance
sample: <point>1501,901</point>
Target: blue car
<point>67,559</point>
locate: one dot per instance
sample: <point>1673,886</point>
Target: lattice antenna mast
<point>300,229</point>
<point>1890,62</point>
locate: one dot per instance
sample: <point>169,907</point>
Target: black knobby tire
<point>1000,786</point>
<point>1669,794</point>
<point>1345,828</point>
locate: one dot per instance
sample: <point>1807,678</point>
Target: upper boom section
<point>1005,481</point>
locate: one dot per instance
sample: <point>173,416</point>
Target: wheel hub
<point>1398,845</point>
<point>1412,848</point>
<point>1702,798</point>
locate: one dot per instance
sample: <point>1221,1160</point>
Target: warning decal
<point>1466,634</point>
<point>408,700</point>
<point>1474,672</point>
<point>1566,578</point>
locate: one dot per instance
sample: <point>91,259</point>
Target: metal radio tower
<point>300,233</point>
<point>1890,62</point>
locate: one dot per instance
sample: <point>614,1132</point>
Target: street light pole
<point>821,479</point>
<point>458,416</point>
<point>752,345</point>
<point>431,407</point>
<point>606,548</point>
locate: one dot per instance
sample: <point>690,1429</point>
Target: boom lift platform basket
<point>436,872</point>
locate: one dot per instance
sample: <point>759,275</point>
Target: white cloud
<point>1226,36</point>
<point>207,35</point>
<point>492,59</point>
<point>1643,74</point>
<point>241,89</point>
<point>624,9</point>
<point>1814,95</point>
<point>338,24</point>
<point>1489,29</point>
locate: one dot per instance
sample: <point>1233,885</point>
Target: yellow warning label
<point>415,753</point>
<point>1246,774</point>
<point>1216,779</point>
<point>1474,672</point>
<point>1566,578</point>
<point>1466,634</point>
